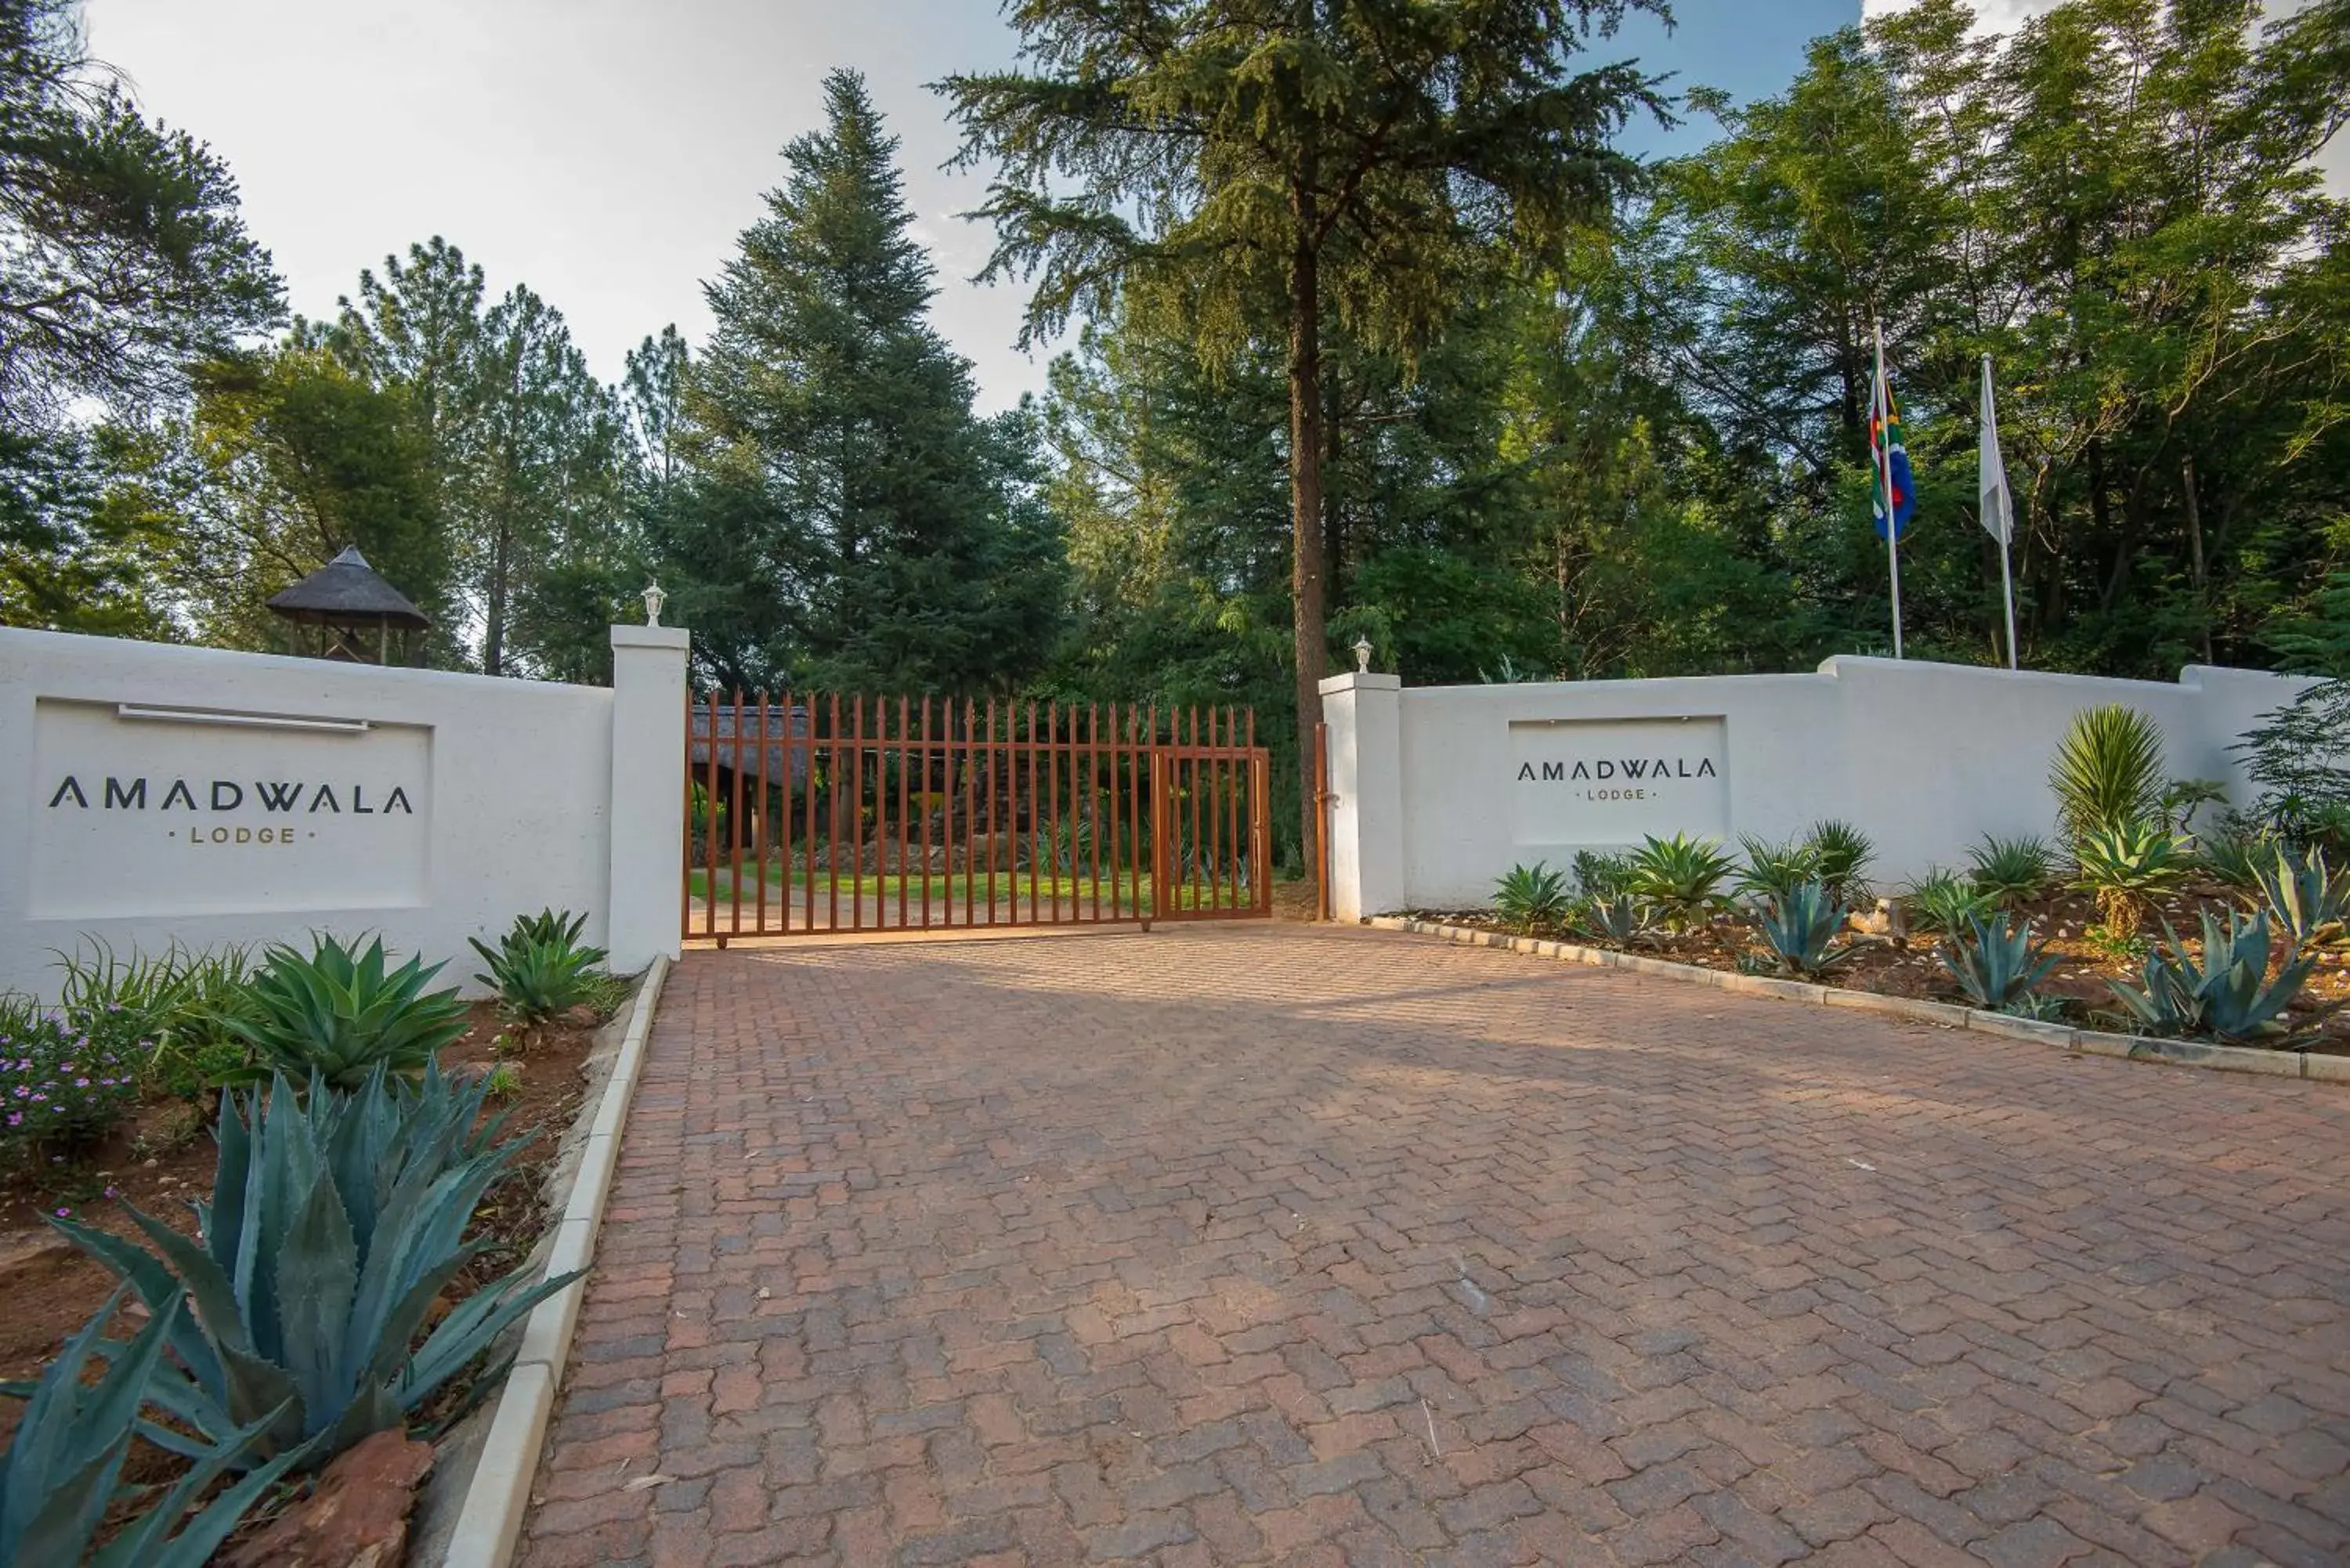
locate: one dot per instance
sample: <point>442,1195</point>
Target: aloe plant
<point>1531,896</point>
<point>1801,928</point>
<point>538,969</point>
<point>2225,993</point>
<point>63,1469</point>
<point>1681,876</point>
<point>1944,901</point>
<point>341,1015</point>
<point>1995,963</point>
<point>334,1223</point>
<point>1844,855</point>
<point>2309,900</point>
<point>2237,858</point>
<point>1775,870</point>
<point>2011,871</point>
<point>2128,866</point>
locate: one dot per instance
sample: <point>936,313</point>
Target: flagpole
<point>1880,402</point>
<point>2006,520</point>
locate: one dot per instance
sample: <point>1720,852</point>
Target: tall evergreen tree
<point>853,523</point>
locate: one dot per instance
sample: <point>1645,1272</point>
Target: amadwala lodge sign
<point>1610,782</point>
<point>167,810</point>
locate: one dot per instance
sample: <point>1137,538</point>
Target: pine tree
<point>853,521</point>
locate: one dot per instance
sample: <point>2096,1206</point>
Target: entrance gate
<point>819,814</point>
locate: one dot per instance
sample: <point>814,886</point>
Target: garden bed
<point>1895,964</point>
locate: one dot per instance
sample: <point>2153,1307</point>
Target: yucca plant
<point>2225,993</point>
<point>2309,900</point>
<point>1531,896</point>
<point>2107,772</point>
<point>2128,866</point>
<point>1801,927</point>
<point>1943,901</point>
<point>1619,917</point>
<point>2012,870</point>
<point>1775,870</point>
<point>1844,855</point>
<point>1996,963</point>
<point>1681,876</point>
<point>63,1469</point>
<point>341,1015</point>
<point>538,969</point>
<point>336,1222</point>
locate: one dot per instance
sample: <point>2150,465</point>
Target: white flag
<point>1998,506</point>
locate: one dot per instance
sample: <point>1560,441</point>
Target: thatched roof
<point>783,723</point>
<point>346,591</point>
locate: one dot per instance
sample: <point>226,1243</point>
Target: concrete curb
<point>490,1522</point>
<point>1943,1015</point>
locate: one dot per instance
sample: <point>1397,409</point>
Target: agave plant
<point>2128,866</point>
<point>336,1221</point>
<point>1531,896</point>
<point>1619,917</point>
<point>1845,853</point>
<point>2012,870</point>
<point>1681,876</point>
<point>63,1469</point>
<point>538,969</point>
<point>1801,928</point>
<point>2309,901</point>
<point>1775,870</point>
<point>2226,993</point>
<point>2107,772</point>
<point>1995,963</point>
<point>1944,901</point>
<point>341,1015</point>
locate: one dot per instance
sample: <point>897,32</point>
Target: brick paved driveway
<point>1279,1244</point>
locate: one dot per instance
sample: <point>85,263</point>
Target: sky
<point>608,153</point>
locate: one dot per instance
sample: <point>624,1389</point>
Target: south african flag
<point>1889,459</point>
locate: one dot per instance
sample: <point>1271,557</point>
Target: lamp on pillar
<point>654,599</point>
<point>1362,656</point>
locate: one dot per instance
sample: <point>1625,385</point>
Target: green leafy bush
<point>2107,772</point>
<point>2012,870</point>
<point>341,1015</point>
<point>1944,901</point>
<point>61,1084</point>
<point>1601,876</point>
<point>2225,993</point>
<point>2309,900</point>
<point>1681,877</point>
<point>1995,963</point>
<point>335,1221</point>
<point>1844,855</point>
<point>1775,870</point>
<point>63,1471</point>
<point>2128,866</point>
<point>1801,928</point>
<point>1531,896</point>
<point>2299,755</point>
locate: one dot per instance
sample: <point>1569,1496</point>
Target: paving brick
<point>1114,1246</point>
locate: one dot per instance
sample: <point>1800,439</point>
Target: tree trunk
<point>1305,440</point>
<point>494,636</point>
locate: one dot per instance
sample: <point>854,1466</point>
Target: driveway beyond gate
<point>1301,1244</point>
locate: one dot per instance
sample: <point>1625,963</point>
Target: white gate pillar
<point>647,792</point>
<point>1364,712</point>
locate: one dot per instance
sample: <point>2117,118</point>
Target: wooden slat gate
<point>816,814</point>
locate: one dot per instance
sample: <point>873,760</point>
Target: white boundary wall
<point>1439,790</point>
<point>151,793</point>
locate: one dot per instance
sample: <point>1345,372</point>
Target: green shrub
<point>539,969</point>
<point>60,1085</point>
<point>1681,877</point>
<point>341,1015</point>
<point>1775,870</point>
<point>2299,755</point>
<point>2107,772</point>
<point>2182,798</point>
<point>1598,876</point>
<point>1944,901</point>
<point>1845,853</point>
<point>335,1221</point>
<point>2225,993</point>
<point>2236,857</point>
<point>1995,963</point>
<point>2012,870</point>
<point>1531,896</point>
<point>2128,866</point>
<point>2308,899</point>
<point>63,1471</point>
<point>1801,928</point>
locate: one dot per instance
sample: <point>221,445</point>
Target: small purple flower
<point>63,1212</point>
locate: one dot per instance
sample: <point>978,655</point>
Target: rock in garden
<point>21,1247</point>
<point>358,1517</point>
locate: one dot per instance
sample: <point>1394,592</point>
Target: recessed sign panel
<point>161,811</point>
<point>1610,782</point>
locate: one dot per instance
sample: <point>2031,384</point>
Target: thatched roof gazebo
<point>349,608</point>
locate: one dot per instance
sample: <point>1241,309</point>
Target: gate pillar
<point>647,807</point>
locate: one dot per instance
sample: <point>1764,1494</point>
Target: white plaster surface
<point>1925,758</point>
<point>511,783</point>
